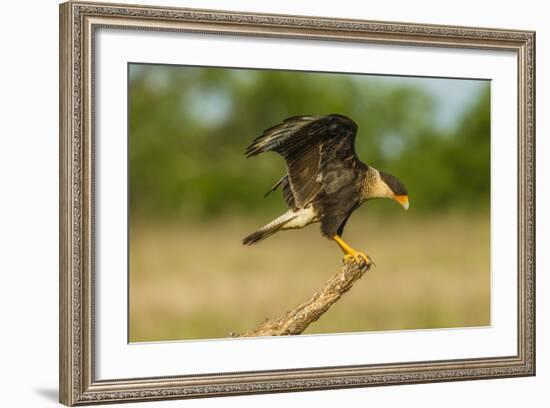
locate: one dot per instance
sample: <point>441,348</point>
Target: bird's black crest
<point>396,186</point>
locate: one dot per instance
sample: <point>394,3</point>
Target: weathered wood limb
<point>298,319</point>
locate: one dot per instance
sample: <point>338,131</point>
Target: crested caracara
<point>325,180</point>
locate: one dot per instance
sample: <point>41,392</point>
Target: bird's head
<point>391,187</point>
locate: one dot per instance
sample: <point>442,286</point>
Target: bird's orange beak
<point>403,200</point>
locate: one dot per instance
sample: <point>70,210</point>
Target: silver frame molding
<point>78,22</point>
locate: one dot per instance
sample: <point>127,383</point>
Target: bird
<point>325,181</point>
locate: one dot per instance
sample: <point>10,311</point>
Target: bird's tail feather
<point>259,235</point>
<point>269,229</point>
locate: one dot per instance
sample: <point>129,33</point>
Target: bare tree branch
<point>298,319</point>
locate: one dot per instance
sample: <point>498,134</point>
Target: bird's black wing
<point>319,151</point>
<point>287,192</point>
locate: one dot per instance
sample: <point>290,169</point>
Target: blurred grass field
<point>197,281</point>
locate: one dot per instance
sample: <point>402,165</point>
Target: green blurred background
<point>193,196</point>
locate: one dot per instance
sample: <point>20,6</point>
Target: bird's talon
<point>361,257</point>
<point>358,258</point>
<point>349,258</point>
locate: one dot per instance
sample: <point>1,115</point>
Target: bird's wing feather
<point>288,196</point>
<point>276,185</point>
<point>287,192</point>
<point>319,151</point>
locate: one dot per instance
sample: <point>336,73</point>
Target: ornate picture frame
<point>79,22</point>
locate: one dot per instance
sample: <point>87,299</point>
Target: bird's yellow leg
<point>351,254</point>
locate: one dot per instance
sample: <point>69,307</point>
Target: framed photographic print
<point>233,190</point>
